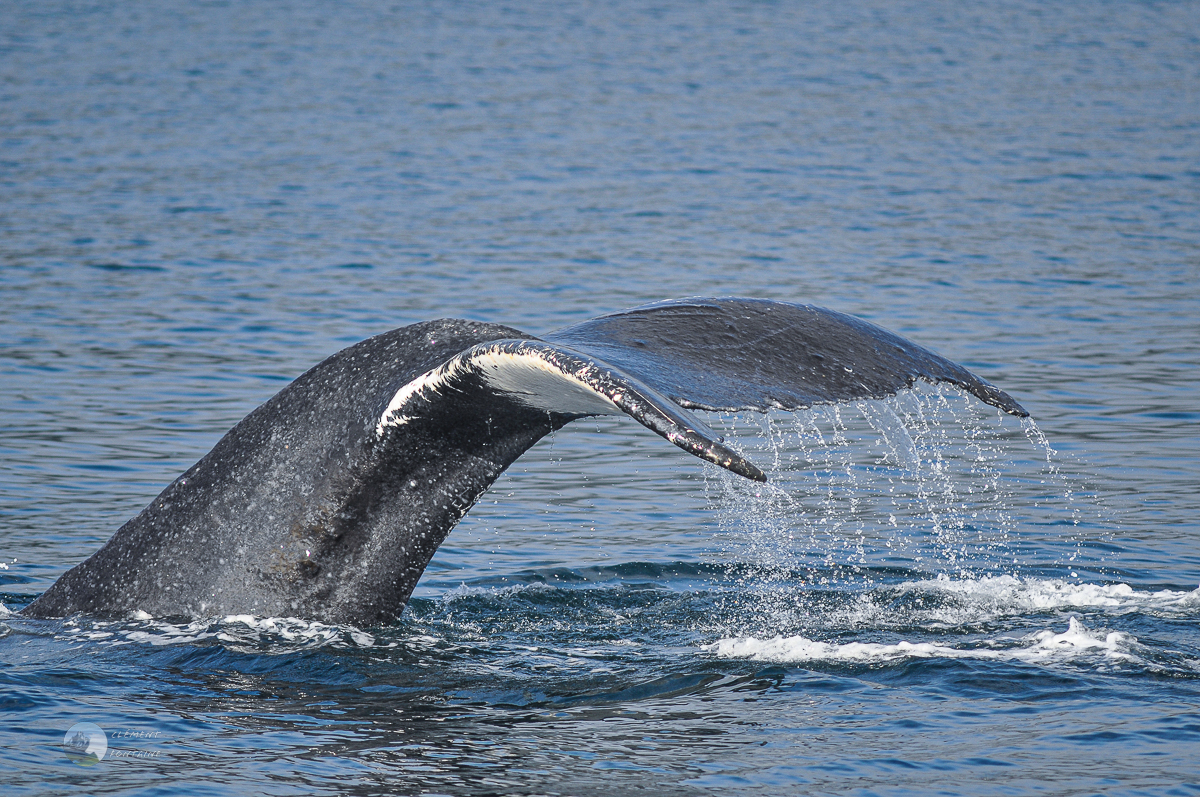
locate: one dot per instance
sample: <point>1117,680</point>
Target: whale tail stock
<point>329,500</point>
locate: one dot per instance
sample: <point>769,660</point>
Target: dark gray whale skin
<point>322,505</point>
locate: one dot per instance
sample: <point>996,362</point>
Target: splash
<point>245,633</point>
<point>1077,645</point>
<point>1019,596</point>
<point>945,606</point>
<point>927,481</point>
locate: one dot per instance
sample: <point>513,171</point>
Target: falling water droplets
<point>925,484</point>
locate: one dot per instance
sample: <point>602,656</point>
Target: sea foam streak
<point>1010,595</point>
<point>1043,647</point>
<point>946,604</point>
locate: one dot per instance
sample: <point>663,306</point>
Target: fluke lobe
<point>328,501</point>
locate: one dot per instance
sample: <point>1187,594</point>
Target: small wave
<point>1076,644</point>
<point>1013,595</point>
<point>970,605</point>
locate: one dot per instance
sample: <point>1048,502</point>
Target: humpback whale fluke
<point>328,501</point>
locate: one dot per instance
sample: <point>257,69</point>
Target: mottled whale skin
<point>328,501</point>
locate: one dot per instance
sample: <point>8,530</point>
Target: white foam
<point>949,603</point>
<point>1076,644</point>
<point>946,604</point>
<point>274,634</point>
<point>1023,595</point>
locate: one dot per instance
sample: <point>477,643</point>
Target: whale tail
<point>753,354</point>
<point>654,363</point>
<point>329,500</point>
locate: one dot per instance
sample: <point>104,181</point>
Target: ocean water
<point>198,201</point>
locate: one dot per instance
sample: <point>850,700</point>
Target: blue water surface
<point>199,201</point>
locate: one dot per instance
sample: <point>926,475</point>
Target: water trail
<point>1060,486</point>
<point>924,484</point>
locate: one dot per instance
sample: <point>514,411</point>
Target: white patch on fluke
<point>525,376</point>
<point>540,385</point>
<point>428,382</point>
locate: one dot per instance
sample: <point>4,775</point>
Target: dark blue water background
<point>198,201</point>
